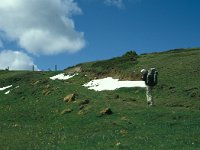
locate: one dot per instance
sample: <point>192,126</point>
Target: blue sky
<point>93,30</point>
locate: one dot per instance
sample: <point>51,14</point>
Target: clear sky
<point>68,32</point>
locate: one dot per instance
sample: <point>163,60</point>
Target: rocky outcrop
<point>106,111</point>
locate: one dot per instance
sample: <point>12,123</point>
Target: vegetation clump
<point>132,54</point>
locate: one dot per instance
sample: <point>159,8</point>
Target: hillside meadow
<point>34,114</point>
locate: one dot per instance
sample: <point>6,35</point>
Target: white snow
<point>4,88</point>
<point>62,76</point>
<point>7,92</point>
<point>112,84</point>
<point>17,87</point>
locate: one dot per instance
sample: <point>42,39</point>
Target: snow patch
<point>4,88</point>
<point>10,89</point>
<point>112,84</point>
<point>7,92</point>
<point>17,87</point>
<point>62,76</point>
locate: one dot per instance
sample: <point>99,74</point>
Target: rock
<point>16,125</point>
<point>123,131</point>
<point>73,70</point>
<point>81,112</point>
<point>46,92</point>
<point>36,82</point>
<point>47,86</point>
<point>84,110</point>
<point>65,111</point>
<point>118,144</point>
<point>70,98</point>
<point>22,98</point>
<point>106,111</point>
<point>84,102</point>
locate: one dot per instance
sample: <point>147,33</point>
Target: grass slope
<point>31,115</point>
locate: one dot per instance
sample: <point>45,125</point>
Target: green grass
<point>30,116</point>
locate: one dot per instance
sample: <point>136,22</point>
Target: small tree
<point>131,53</point>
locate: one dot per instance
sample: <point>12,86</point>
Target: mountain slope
<point>34,115</point>
<point>178,69</point>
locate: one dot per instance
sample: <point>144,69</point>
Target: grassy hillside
<point>34,116</point>
<point>178,69</point>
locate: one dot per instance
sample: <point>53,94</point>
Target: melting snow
<point>4,88</point>
<point>17,87</point>
<point>7,92</point>
<point>62,76</point>
<point>112,84</point>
